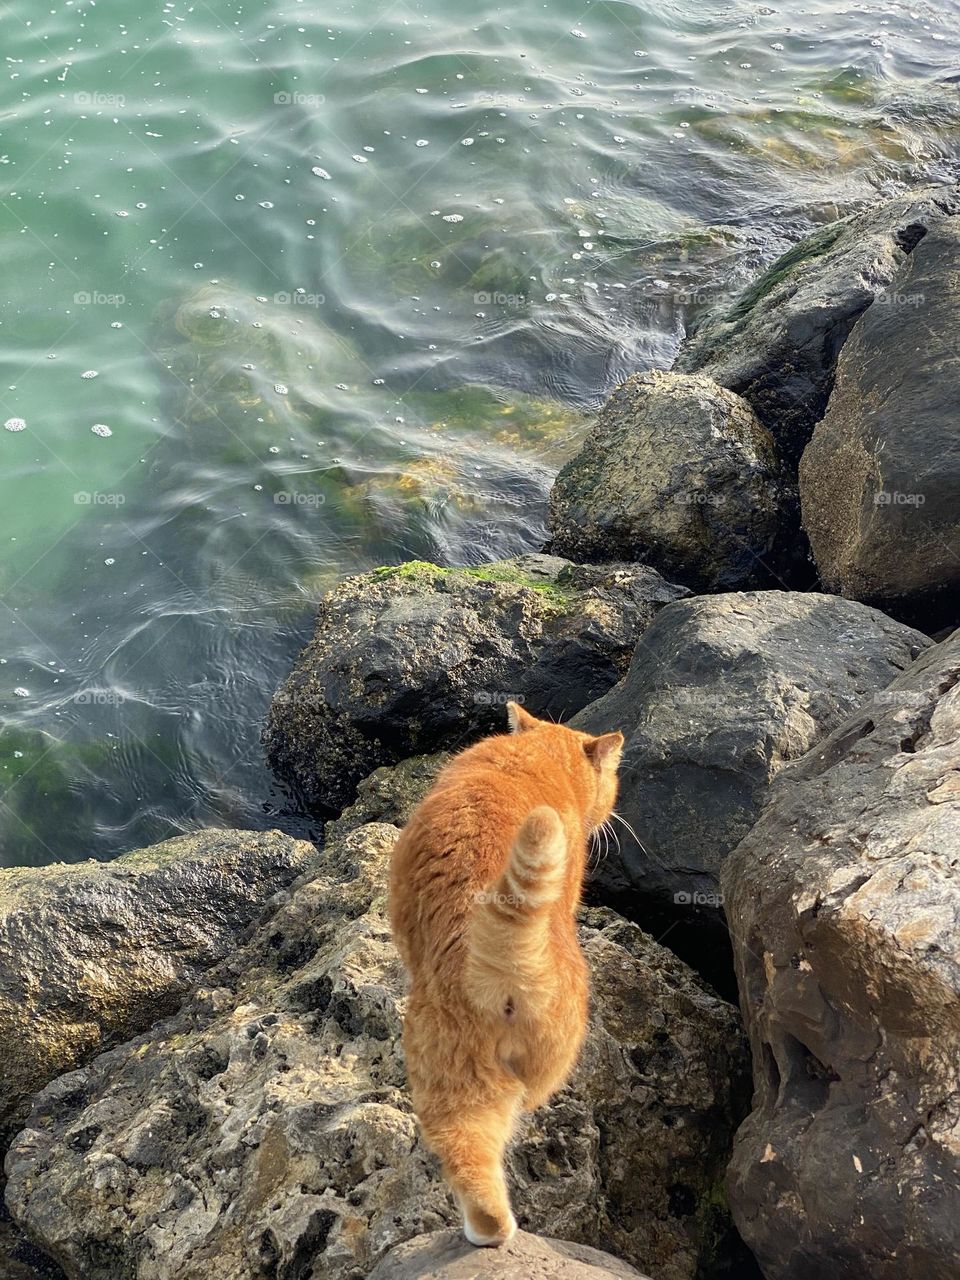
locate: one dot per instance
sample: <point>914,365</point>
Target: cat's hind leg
<point>471,1146</point>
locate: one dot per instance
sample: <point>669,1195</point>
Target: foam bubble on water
<point>423,142</point>
<point>320,173</point>
<point>122,213</point>
<point>101,429</point>
<point>15,424</point>
<point>116,324</point>
<point>360,159</point>
<point>453,217</point>
<point>378,382</point>
<point>274,449</point>
<point>90,373</point>
<point>110,560</point>
<point>20,692</point>
<point>266,204</point>
<point>581,35</point>
<point>466,142</point>
<point>281,389</point>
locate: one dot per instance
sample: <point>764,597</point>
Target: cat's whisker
<point>624,823</point>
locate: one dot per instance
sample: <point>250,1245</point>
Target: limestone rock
<point>92,953</point>
<point>417,658</point>
<point>447,1256</point>
<point>722,692</point>
<point>677,473</point>
<point>265,1129</point>
<point>880,480</point>
<point>844,904</point>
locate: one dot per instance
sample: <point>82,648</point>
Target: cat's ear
<point>604,752</point>
<point>518,719</point>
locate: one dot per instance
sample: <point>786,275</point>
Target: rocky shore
<point>754,572</point>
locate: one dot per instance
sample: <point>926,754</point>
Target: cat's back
<point>456,842</point>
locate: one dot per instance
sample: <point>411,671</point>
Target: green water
<point>351,281</point>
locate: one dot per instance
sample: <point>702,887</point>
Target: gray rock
<point>390,794</point>
<point>92,953</point>
<point>844,904</point>
<point>880,479</point>
<point>447,1256</point>
<point>722,692</point>
<point>777,346</point>
<point>265,1129</point>
<point>417,658</point>
<point>678,473</point>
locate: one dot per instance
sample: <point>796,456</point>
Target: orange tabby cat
<point>485,883</point>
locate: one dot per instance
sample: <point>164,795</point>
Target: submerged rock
<point>265,1129</point>
<point>844,905</point>
<point>447,1256</point>
<point>880,479</point>
<point>722,692</point>
<point>677,473</point>
<point>417,658</point>
<point>777,346</point>
<point>93,953</point>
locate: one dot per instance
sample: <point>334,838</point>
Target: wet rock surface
<point>844,904</point>
<point>93,953</point>
<point>777,346</point>
<point>677,473</point>
<point>265,1129</point>
<point>722,692</point>
<point>417,658</point>
<point>447,1256</point>
<point>880,479</point>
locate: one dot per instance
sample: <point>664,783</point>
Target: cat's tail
<point>508,968</point>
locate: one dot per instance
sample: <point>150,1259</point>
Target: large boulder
<point>92,953</point>
<point>417,658</point>
<point>880,479</point>
<point>777,345</point>
<point>722,692</point>
<point>265,1129</point>
<point>844,904</point>
<point>447,1256</point>
<point>678,473</point>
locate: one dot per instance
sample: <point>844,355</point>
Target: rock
<point>92,953</point>
<point>777,346</point>
<point>880,479</point>
<point>678,473</point>
<point>418,658</point>
<point>390,794</point>
<point>265,1129</point>
<point>844,904</point>
<point>722,692</point>
<point>447,1256</point>
<point>19,1259</point>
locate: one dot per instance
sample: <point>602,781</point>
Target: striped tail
<point>508,964</point>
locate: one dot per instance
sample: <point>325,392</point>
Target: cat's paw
<point>494,1236</point>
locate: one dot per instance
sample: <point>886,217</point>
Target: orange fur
<point>485,882</point>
